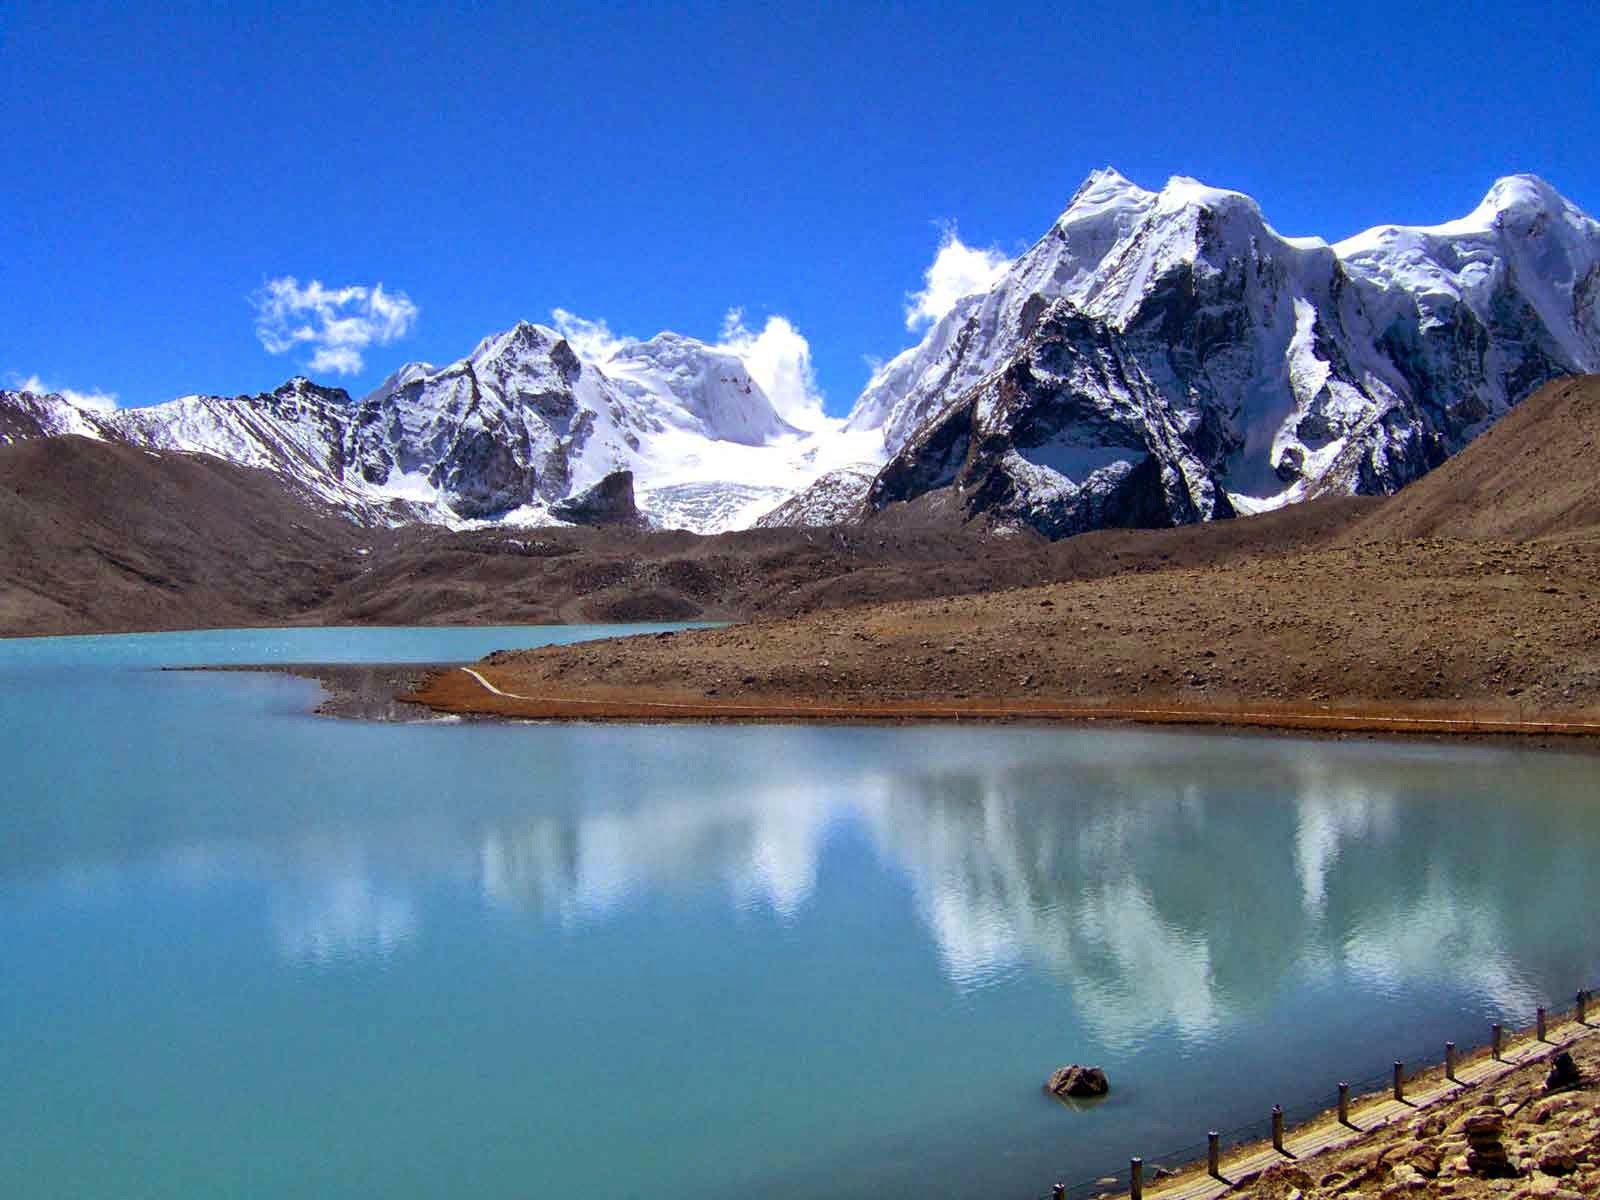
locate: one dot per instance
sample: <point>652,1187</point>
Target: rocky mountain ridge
<point>1161,358</point>
<point>1156,358</point>
<point>514,433</point>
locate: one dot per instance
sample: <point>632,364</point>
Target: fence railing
<point>1148,1170</point>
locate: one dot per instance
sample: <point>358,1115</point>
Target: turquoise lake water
<point>250,952</point>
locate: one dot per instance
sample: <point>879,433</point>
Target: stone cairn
<point>1486,1153</point>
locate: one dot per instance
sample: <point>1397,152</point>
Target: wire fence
<point>1585,1008</point>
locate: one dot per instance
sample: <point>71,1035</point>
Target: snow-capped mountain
<point>1169,357</point>
<point>833,498</point>
<point>514,432</point>
<point>25,415</point>
<point>1155,358</point>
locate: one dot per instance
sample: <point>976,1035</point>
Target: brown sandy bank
<point>1431,635</point>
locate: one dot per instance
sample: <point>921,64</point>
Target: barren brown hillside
<point>104,538</point>
<point>1360,618</point>
<point>1536,474</point>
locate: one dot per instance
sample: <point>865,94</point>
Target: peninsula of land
<point>1467,603</point>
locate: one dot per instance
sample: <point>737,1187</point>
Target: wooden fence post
<point>1136,1179</point>
<point>1213,1155</point>
<point>1399,1080</point>
<point>1450,1061</point>
<point>1277,1128</point>
<point>1494,1041</point>
<point>1344,1104</point>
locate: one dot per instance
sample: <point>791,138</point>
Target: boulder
<point>1563,1073</point>
<point>1077,1082</point>
<point>1558,1158</point>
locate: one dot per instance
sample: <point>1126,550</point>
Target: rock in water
<point>1077,1082</point>
<point>1563,1073</point>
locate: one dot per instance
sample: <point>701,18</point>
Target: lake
<point>250,952</point>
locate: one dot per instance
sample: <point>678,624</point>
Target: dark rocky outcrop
<point>609,502</point>
<point>1068,437</point>
<point>1563,1073</point>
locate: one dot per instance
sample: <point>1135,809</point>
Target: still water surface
<point>249,952</point>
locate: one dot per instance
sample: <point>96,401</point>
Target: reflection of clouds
<point>1171,905</point>
<point>1006,876</point>
<point>1169,883</point>
<point>976,936</point>
<point>1440,936</point>
<point>344,921</point>
<point>530,865</point>
<point>328,909</point>
<point>1332,814</point>
<point>1158,973</point>
<point>763,845</point>
<point>781,869</point>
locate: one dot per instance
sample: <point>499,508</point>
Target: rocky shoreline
<point>1518,1135</point>
<point>356,691</point>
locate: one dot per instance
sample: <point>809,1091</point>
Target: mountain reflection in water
<point>1171,881</point>
<point>244,943</point>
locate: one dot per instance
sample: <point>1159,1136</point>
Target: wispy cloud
<point>593,340</point>
<point>779,359</point>
<point>94,399</point>
<point>957,270</point>
<point>335,324</point>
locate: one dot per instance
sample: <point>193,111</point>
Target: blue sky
<point>656,166</point>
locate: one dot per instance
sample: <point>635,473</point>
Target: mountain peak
<point>518,340</point>
<point>1520,205</point>
<point>299,386</point>
<point>1105,189</point>
<point>1523,193</point>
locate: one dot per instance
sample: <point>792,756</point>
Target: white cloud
<point>779,359</point>
<point>95,400</point>
<point>593,340</point>
<point>957,270</point>
<point>335,324</point>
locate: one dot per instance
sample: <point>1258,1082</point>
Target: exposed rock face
<point>1064,439</point>
<point>609,502</point>
<point>1077,1082</point>
<point>1163,358</point>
